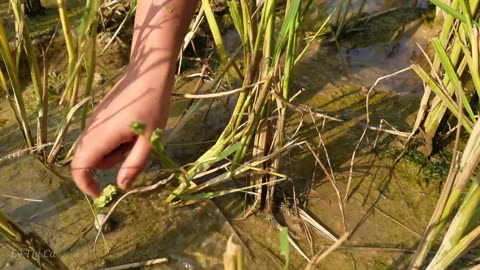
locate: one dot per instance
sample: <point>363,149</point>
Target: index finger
<point>85,182</point>
<point>89,153</point>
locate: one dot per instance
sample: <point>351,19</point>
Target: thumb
<point>134,162</point>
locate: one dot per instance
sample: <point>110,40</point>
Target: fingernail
<point>95,189</point>
<point>125,183</point>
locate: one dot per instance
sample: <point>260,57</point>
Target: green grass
<point>456,60</point>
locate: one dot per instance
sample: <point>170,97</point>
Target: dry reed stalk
<point>367,124</point>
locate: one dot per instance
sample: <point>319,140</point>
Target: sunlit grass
<point>456,57</point>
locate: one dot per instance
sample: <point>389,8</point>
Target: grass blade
<point>210,195</point>
<point>285,246</point>
<point>289,20</point>
<point>452,12</point>
<point>217,36</point>
<point>16,93</point>
<point>467,124</point>
<point>452,75</point>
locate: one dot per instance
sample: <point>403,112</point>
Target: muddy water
<point>390,44</point>
<point>387,209</point>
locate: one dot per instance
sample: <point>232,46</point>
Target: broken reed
<point>81,49</point>
<point>234,257</point>
<point>460,198</point>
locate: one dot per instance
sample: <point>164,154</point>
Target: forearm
<point>159,30</point>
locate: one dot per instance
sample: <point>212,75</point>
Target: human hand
<point>143,95</point>
<point>107,140</point>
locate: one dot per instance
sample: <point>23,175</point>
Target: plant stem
<point>460,222</point>
<point>16,92</point>
<point>91,60</point>
<point>461,176</point>
<point>34,70</point>
<point>463,245</point>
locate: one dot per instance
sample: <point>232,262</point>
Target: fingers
<point>115,157</point>
<point>85,182</point>
<point>89,153</point>
<point>134,162</point>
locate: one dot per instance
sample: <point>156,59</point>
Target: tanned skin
<point>143,95</point>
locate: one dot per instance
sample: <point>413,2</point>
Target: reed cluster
<point>269,48</point>
<point>455,63</point>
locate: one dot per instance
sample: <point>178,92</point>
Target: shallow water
<point>388,208</point>
<point>390,44</point>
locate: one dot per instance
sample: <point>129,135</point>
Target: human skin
<point>143,95</point>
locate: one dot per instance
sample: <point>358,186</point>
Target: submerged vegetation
<point>253,150</point>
